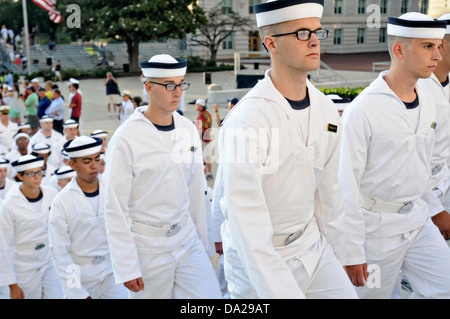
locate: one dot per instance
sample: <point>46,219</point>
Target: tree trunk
<point>133,53</point>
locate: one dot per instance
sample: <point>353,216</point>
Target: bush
<point>343,92</point>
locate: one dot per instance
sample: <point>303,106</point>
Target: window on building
<point>337,36</point>
<point>251,3</point>
<point>404,6</point>
<point>424,6</point>
<point>227,6</point>
<point>361,36</point>
<point>384,6</point>
<point>228,42</point>
<point>361,6</point>
<point>338,6</point>
<point>383,35</point>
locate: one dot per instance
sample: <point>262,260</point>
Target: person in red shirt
<point>204,123</point>
<point>75,104</point>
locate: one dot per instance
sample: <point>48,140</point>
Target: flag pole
<point>26,37</point>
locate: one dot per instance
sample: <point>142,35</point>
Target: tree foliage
<point>219,26</point>
<point>134,21</point>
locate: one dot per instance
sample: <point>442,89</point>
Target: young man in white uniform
<point>7,128</point>
<point>155,195</point>
<point>62,177</point>
<point>70,132</point>
<point>46,134</point>
<point>279,151</point>
<point>25,260</point>
<point>77,233</point>
<point>438,84</point>
<point>385,171</point>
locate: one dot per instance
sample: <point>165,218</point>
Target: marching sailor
<point>77,228</point>
<point>279,152</point>
<point>70,132</point>
<point>388,139</point>
<point>154,157</point>
<point>25,260</point>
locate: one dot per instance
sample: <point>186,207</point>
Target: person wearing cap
<point>5,182</point>
<point>154,157</point>
<point>21,141</point>
<point>31,104</point>
<point>25,258</point>
<point>62,177</point>
<point>77,228</point>
<point>44,150</point>
<point>231,104</point>
<point>57,110</point>
<point>438,84</point>
<point>24,128</point>
<point>46,133</point>
<point>103,135</point>
<point>283,234</point>
<point>127,107</point>
<point>385,171</point>
<point>44,102</point>
<point>70,132</point>
<point>7,128</point>
<point>204,123</point>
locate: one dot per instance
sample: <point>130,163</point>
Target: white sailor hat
<point>99,133</point>
<point>70,123</point>
<point>28,162</point>
<point>83,146</point>
<point>202,102</point>
<point>163,66</point>
<point>65,172</point>
<point>35,80</point>
<point>46,118</point>
<point>74,81</point>
<point>4,163</point>
<point>41,148</point>
<point>416,25</point>
<point>24,125</point>
<point>446,18</point>
<point>4,109</point>
<point>277,11</point>
<point>21,134</point>
<point>64,155</point>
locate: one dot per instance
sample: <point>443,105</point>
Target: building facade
<point>356,26</point>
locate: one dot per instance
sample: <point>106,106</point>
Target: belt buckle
<point>406,208</point>
<point>293,237</point>
<point>174,229</point>
<point>39,246</point>
<point>436,170</point>
<point>98,259</point>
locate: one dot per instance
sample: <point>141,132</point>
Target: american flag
<point>49,5</point>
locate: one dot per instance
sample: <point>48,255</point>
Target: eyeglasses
<point>305,34</point>
<point>32,174</point>
<point>172,86</point>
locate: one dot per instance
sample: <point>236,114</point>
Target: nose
<point>437,55</point>
<point>313,41</point>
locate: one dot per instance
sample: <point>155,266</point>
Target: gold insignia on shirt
<point>433,125</point>
<point>332,128</point>
<point>193,149</point>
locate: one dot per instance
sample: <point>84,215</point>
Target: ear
<point>270,44</point>
<point>148,87</point>
<point>399,50</point>
<point>72,164</point>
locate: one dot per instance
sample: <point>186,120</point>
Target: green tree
<point>134,21</point>
<point>220,25</point>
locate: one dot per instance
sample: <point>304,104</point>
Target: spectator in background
<point>112,90</point>
<point>44,102</point>
<point>31,104</point>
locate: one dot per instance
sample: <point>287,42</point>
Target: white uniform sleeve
<point>217,215</point>
<point>7,247</point>
<point>328,203</point>
<point>354,147</point>
<point>59,239</point>
<point>118,177</point>
<point>249,219</point>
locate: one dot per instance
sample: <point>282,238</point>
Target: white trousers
<point>182,273</point>
<point>41,283</point>
<point>317,271</point>
<point>422,255</point>
<point>105,288</point>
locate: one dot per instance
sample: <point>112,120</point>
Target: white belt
<point>374,205</point>
<point>32,247</point>
<point>87,260</point>
<point>154,231</point>
<point>284,240</point>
